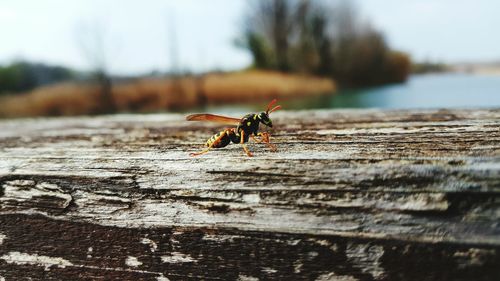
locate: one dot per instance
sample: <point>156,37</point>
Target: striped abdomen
<point>222,138</point>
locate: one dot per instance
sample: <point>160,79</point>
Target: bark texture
<point>350,195</point>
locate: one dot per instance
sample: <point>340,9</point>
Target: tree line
<point>317,37</point>
<point>326,38</point>
<point>23,76</point>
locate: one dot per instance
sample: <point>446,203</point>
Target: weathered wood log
<point>350,195</point>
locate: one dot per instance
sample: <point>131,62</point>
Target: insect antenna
<point>269,110</point>
<point>275,108</point>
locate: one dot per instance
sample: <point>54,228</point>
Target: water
<point>420,91</point>
<point>446,90</point>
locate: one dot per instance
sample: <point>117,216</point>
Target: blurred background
<point>86,57</point>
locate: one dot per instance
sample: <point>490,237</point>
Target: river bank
<point>160,94</point>
<point>434,90</point>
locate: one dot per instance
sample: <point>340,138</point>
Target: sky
<point>135,35</point>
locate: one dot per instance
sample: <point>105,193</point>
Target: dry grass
<point>60,99</point>
<point>156,94</point>
<point>144,95</point>
<point>262,85</point>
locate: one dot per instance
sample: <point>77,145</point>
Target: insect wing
<point>213,118</point>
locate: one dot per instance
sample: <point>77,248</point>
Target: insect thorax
<point>249,123</point>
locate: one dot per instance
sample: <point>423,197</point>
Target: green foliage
<point>318,37</point>
<point>262,53</point>
<point>24,76</point>
<point>15,77</point>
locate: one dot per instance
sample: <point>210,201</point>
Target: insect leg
<point>265,137</point>
<point>208,148</point>
<point>243,144</point>
<point>256,140</point>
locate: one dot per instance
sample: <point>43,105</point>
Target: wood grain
<point>350,195</point>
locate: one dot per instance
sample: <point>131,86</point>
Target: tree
<point>321,38</point>
<point>93,46</point>
<point>268,30</point>
<point>23,76</point>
